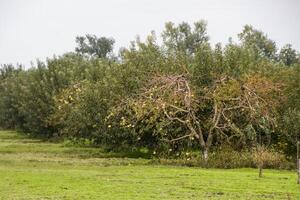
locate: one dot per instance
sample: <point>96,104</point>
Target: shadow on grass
<point>20,142</point>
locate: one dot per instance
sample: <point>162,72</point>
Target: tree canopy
<point>94,46</point>
<point>183,93</point>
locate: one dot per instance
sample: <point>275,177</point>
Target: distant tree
<point>94,46</point>
<point>290,123</point>
<point>258,41</point>
<point>184,38</point>
<point>10,91</point>
<point>288,55</point>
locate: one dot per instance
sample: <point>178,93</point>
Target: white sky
<point>31,29</point>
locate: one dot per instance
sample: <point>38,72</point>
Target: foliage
<point>288,55</point>
<point>258,41</point>
<point>184,39</point>
<point>94,46</point>
<point>172,97</point>
<point>220,113</point>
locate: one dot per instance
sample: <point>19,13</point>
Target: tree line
<point>181,94</point>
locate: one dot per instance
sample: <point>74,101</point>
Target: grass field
<point>33,169</point>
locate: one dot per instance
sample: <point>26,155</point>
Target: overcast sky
<point>31,29</point>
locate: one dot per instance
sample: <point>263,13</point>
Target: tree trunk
<point>260,169</point>
<point>298,162</point>
<point>298,171</point>
<point>205,155</point>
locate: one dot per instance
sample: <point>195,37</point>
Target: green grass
<point>32,169</point>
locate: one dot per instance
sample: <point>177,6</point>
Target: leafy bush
<point>226,158</point>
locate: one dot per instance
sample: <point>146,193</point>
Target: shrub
<point>265,157</point>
